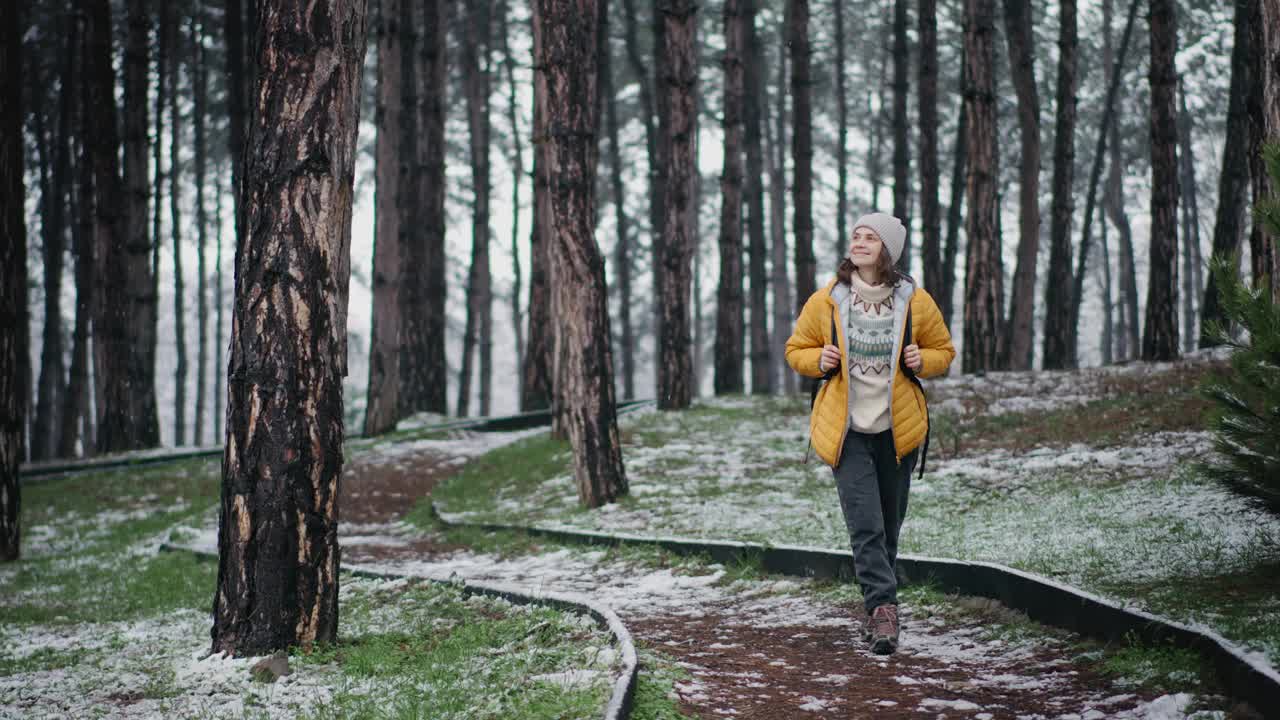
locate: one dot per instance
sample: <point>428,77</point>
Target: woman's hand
<point>911,354</point>
<point>830,358</point>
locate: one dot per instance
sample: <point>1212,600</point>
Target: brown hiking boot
<point>884,629</point>
<point>868,628</point>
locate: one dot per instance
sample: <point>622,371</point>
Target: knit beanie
<point>890,229</point>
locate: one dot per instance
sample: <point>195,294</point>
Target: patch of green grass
<point>515,469</point>
<point>41,660</point>
<point>655,688</point>
<point>1161,668</point>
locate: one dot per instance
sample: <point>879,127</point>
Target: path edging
<point>624,684</point>
<point>1244,675</point>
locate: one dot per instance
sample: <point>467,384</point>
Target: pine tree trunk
<point>1266,247</point>
<point>1059,346</point>
<point>930,174</point>
<point>753,115</point>
<point>423,287</point>
<point>565,38</point>
<point>1021,331</point>
<point>219,400</point>
<point>955,206</point>
<point>622,250</point>
<point>175,230</point>
<point>729,336</point>
<point>382,409</point>
<point>77,418</point>
<point>1126,333</point>
<point>783,317</point>
<point>537,385</point>
<point>842,133</point>
<point>163,53</point>
<point>1190,224</point>
<point>802,151</point>
<point>901,141</point>
<point>475,69</point>
<point>1108,293</point>
<point>234,60</point>
<point>199,89</point>
<point>126,413</point>
<point>983,319</point>
<point>1160,331</point>
<point>1233,183</point>
<point>14,332</point>
<point>517,179</point>
<point>278,531</point>
<point>675,371</point>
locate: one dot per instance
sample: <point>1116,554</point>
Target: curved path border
<point>1244,675</point>
<point>36,472</point>
<point>624,684</point>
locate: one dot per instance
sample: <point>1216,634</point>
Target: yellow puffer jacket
<point>829,421</point>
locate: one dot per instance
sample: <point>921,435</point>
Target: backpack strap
<point>911,375</point>
<point>817,384</point>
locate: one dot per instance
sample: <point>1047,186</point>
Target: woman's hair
<point>886,273</point>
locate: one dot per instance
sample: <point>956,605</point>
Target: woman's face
<point>865,247</point>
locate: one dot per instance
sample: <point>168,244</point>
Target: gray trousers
<point>873,491</point>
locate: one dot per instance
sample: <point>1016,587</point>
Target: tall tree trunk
<point>675,371</point>
<point>1160,332</point>
<point>77,419</point>
<point>14,330</point>
<point>802,151</point>
<point>163,53</point>
<point>1059,346</point>
<point>199,90</point>
<point>1265,253</point>
<point>930,213</point>
<point>127,413</point>
<point>565,37</point>
<point>1190,224</point>
<point>52,388</point>
<point>175,229</point>
<point>983,296</point>
<point>1233,183</point>
<point>423,290</point>
<point>1022,53</point>
<point>876,113</point>
<point>955,206</point>
<point>1126,330</point>
<point>901,141</point>
<point>382,408</point>
<point>537,386</point>
<point>517,179</point>
<point>753,115</point>
<point>219,400</point>
<point>729,335</point>
<point>622,250</point>
<point>278,530</point>
<point>842,134</point>
<point>475,69</point>
<point>1108,294</point>
<point>234,60</point>
<point>783,316</point>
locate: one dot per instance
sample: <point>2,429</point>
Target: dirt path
<point>753,649</point>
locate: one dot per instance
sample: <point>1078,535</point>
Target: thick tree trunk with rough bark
<point>758,252</point>
<point>729,335</point>
<point>901,124</point>
<point>930,212</point>
<point>14,332</point>
<point>565,35</point>
<point>983,316</point>
<point>802,151</point>
<point>127,414</point>
<point>675,371</point>
<point>1160,332</point>
<point>423,287</point>
<point>382,408</point>
<point>1233,183</point>
<point>278,530</point>
<point>1059,346</point>
<point>1021,331</point>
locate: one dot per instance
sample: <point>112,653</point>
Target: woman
<point>869,418</point>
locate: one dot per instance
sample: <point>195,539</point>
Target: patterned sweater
<point>868,319</point>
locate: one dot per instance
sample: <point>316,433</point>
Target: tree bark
<point>901,142</point>
<point>14,329</point>
<point>1233,183</point>
<point>127,414</point>
<point>1126,330</point>
<point>235,67</point>
<point>955,206</point>
<point>423,286</point>
<point>219,400</point>
<point>199,90</point>
<point>675,371</point>
<point>783,315</point>
<point>517,179</point>
<point>753,115</point>
<point>1059,346</point>
<point>729,335</point>
<point>1160,332</point>
<point>537,386</point>
<point>1108,295</point>
<point>930,174</point>
<point>382,409</point>
<point>1190,224</point>
<point>1266,247</point>
<point>842,133</point>
<point>983,319</point>
<point>622,250</point>
<point>175,230</point>
<point>802,151</point>
<point>278,530</point>
<point>565,35</point>
<point>475,71</point>
<point>141,321</point>
<point>77,419</point>
<point>1021,330</point>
